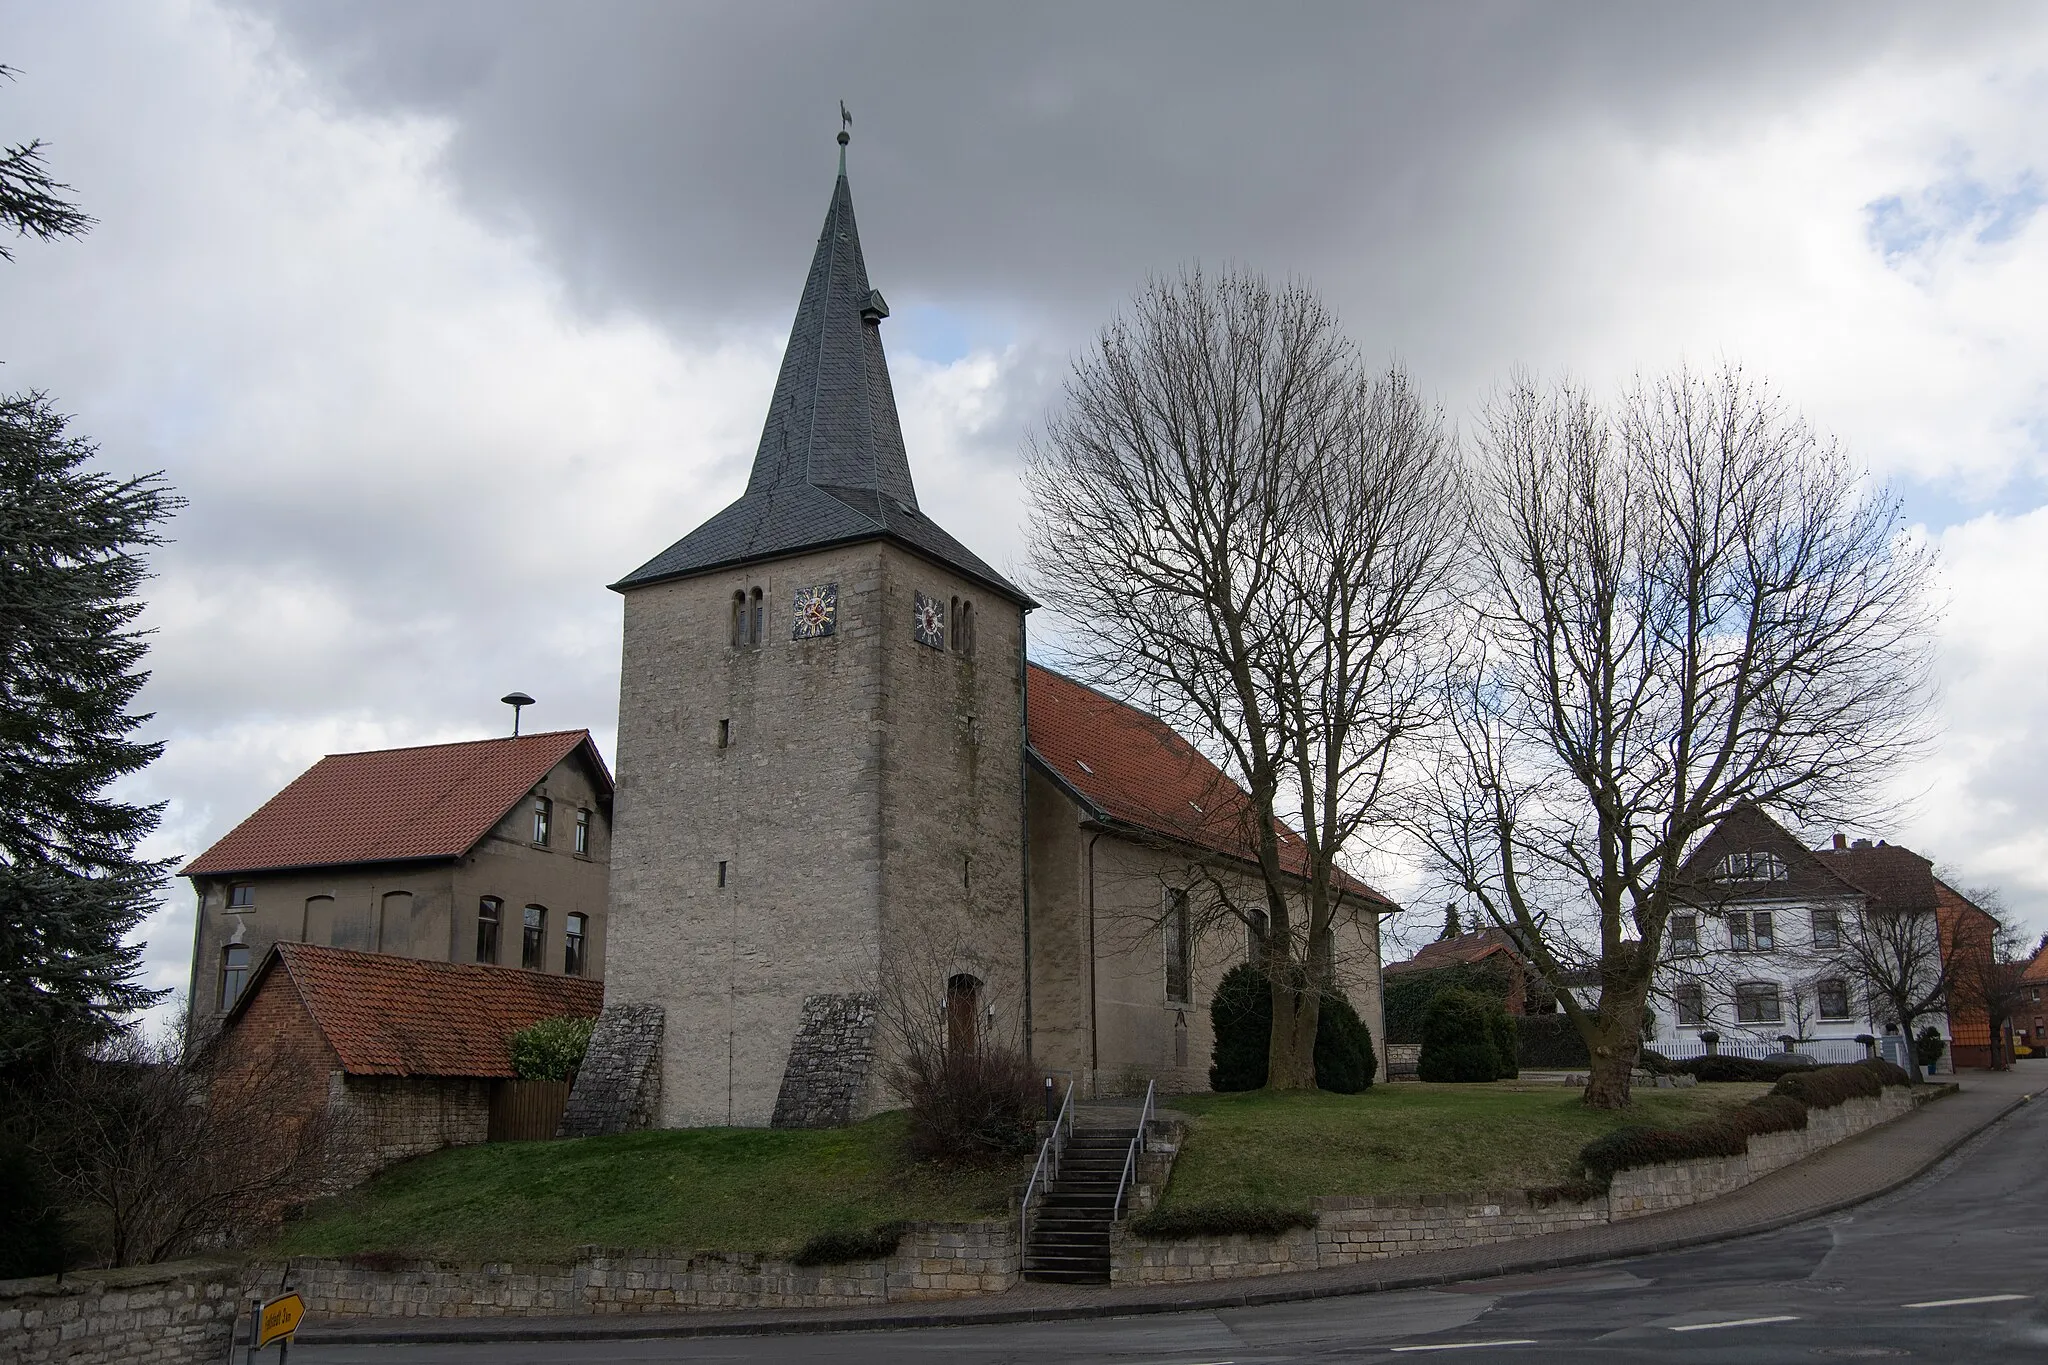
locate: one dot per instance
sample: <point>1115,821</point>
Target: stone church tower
<point>821,759</point>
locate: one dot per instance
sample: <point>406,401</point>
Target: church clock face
<point>815,612</point>
<point>928,621</point>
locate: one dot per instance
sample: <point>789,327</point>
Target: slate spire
<point>831,467</point>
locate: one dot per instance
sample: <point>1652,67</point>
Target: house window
<point>1758,1002</point>
<point>242,896</point>
<point>234,973</point>
<point>1827,928</point>
<point>583,833</point>
<point>487,918</point>
<point>1685,933</point>
<point>1752,867</point>
<point>543,814</point>
<point>1689,1004</point>
<point>1834,998</point>
<point>1751,930</point>
<point>1179,946</point>
<point>533,941</point>
<point>572,944</point>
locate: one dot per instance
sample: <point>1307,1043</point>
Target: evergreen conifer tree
<point>1452,929</point>
<point>71,885</point>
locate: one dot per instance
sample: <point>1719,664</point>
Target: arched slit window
<point>963,1013</point>
<point>739,619</point>
<point>754,611</point>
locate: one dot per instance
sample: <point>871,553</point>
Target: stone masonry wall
<point>934,1261</point>
<point>829,1062</point>
<point>385,1119</point>
<point>618,1087</point>
<point>164,1315</point>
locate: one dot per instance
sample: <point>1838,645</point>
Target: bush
<point>1241,1014</point>
<point>1221,1220</point>
<point>1929,1046</point>
<point>1888,1073</point>
<point>1506,1043</point>
<point>839,1246</point>
<point>1654,1062</point>
<point>1718,1068</point>
<point>1460,1039</point>
<point>1827,1086</point>
<point>1551,1042</point>
<point>551,1049</point>
<point>1625,1149</point>
<point>1407,994</point>
<point>1772,1113</point>
<point>969,1106</point>
<point>34,1244</point>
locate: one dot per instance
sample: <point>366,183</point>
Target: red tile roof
<point>1452,952</point>
<point>435,801</point>
<point>1894,877</point>
<point>2037,970</point>
<point>1135,770</point>
<point>400,1016</point>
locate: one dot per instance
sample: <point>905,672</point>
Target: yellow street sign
<point>280,1319</point>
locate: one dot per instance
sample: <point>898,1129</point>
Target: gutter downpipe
<point>1094,1035</point>
<point>1024,814</point>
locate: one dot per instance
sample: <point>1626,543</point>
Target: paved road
<point>1889,1279</point>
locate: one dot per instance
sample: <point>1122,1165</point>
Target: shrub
<point>1407,994</point>
<point>1625,1149</point>
<point>969,1106</point>
<point>1888,1073</point>
<point>1241,1014</point>
<point>841,1245</point>
<point>1827,1086</point>
<point>551,1049</point>
<point>1772,1113</point>
<point>1551,1042</point>
<point>1501,1025</point>
<point>1654,1062</point>
<point>1929,1046</point>
<point>1459,1039</point>
<point>34,1244</point>
<point>1221,1220</point>
<point>1717,1068</point>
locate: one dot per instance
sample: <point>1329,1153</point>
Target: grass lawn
<point>738,1189</point>
<point>1280,1150</point>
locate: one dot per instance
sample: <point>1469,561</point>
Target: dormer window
<point>1751,867</point>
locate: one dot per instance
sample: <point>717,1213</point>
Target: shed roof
<point>401,1016</point>
<point>392,805</point>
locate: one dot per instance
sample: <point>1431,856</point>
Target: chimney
<point>1861,843</point>
<point>1841,842</point>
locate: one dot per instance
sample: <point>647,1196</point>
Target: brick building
<point>405,1053</point>
<point>831,798</point>
<point>493,851</point>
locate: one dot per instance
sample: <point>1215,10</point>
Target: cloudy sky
<point>445,315</point>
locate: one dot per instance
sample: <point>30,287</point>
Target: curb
<point>623,1328</point>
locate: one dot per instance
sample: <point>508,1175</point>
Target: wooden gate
<point>526,1111</point>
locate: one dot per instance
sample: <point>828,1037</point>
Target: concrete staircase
<point>1070,1223</point>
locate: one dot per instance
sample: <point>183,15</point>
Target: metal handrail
<point>1131,1157</point>
<point>1048,1168</point>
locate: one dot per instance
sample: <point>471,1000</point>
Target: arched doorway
<point>963,1013</point>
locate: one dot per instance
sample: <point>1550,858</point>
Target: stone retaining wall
<point>933,1261</point>
<point>1364,1229</point>
<point>164,1315</point>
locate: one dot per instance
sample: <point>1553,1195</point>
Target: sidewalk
<point>1849,1173</point>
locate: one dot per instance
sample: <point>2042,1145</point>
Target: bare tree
<point>169,1153</point>
<point>1244,527</point>
<point>1675,608</point>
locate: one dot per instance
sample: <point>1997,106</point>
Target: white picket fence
<point>1826,1051</point>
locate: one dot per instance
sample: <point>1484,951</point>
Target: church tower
<point>819,819</point>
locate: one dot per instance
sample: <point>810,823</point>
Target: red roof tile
<point>434,801</point>
<point>400,1016</point>
<point>1451,952</point>
<point>1894,877</point>
<point>1136,770</point>
<point>2037,970</point>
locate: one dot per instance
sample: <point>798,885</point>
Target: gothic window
<point>1689,1004</point>
<point>234,973</point>
<point>488,915</point>
<point>1758,1002</point>
<point>1685,934</point>
<point>583,833</point>
<point>1752,867</point>
<point>242,896</point>
<point>572,944</point>
<point>1834,998</point>
<point>1176,932</point>
<point>1827,928</point>
<point>533,940</point>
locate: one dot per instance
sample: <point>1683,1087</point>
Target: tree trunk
<point>1291,1051</point>
<point>1615,1044</point>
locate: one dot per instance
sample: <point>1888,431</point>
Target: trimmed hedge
<point>1551,1042</point>
<point>1461,1039</point>
<point>1786,1109</point>
<point>842,1245</point>
<point>1407,994</point>
<point>1717,1068</point>
<point>1241,1013</point>
<point>1221,1220</point>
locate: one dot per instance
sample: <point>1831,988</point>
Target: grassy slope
<point>1283,1149</point>
<point>743,1189</point>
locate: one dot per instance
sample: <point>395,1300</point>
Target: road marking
<point>1957,1303</point>
<point>1467,1345</point>
<point>1735,1322</point>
